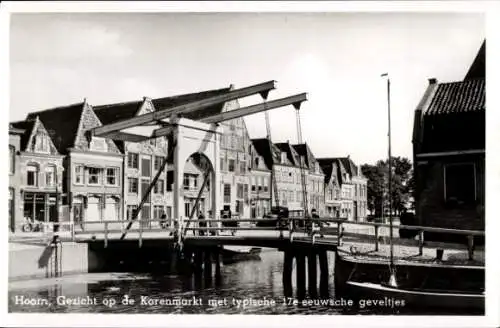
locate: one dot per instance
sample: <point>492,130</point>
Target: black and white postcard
<point>249,164</point>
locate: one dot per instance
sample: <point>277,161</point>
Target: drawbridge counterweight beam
<point>253,109</point>
<point>182,109</point>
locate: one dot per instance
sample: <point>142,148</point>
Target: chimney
<point>432,80</point>
<point>146,98</point>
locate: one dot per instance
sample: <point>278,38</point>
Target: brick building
<point>40,167</point>
<point>449,152</point>
<point>332,187</point>
<point>261,175</point>
<point>92,179</point>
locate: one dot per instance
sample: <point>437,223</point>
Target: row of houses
<point>58,174</point>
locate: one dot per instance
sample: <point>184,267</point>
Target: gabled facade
<point>449,154</point>
<point>40,172</point>
<point>142,160</point>
<point>288,177</point>
<point>92,180</point>
<point>332,187</point>
<point>315,179</point>
<point>261,175</point>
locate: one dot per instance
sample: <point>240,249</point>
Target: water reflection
<point>253,281</point>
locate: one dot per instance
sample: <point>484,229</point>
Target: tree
<point>378,185</point>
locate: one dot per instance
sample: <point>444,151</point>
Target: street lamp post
<point>386,75</point>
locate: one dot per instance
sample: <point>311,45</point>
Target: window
<point>283,158</point>
<point>169,212</point>
<point>133,185</point>
<point>133,160</point>
<point>50,176</point>
<point>130,211</point>
<point>186,182</point>
<point>144,188</point>
<point>112,176</point>
<point>158,212</point>
<point>42,143</point>
<point>159,187</point>
<point>12,159</point>
<point>195,181</point>
<point>265,182</point>
<point>79,174</point>
<point>239,190</point>
<point>256,162</point>
<point>231,165</point>
<point>243,166</point>
<point>94,176</point>
<point>146,166</point>
<point>222,168</point>
<point>158,162</point>
<point>152,142</point>
<point>170,180</point>
<point>227,193</point>
<point>460,184</point>
<point>245,191</point>
<point>32,175</point>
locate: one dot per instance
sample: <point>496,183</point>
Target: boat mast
<point>390,170</point>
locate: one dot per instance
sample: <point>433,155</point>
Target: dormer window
<point>283,158</point>
<point>256,161</point>
<point>42,143</point>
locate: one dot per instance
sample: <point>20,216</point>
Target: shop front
<point>40,207</point>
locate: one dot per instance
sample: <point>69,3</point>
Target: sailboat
<point>412,284</point>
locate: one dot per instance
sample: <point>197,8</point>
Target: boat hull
<point>354,276</point>
<point>415,298</point>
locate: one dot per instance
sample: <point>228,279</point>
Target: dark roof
<point>478,67</point>
<point>117,112</point>
<point>291,154</point>
<point>27,127</point>
<point>168,102</point>
<point>302,150</point>
<point>328,166</point>
<point>458,97</point>
<point>263,148</point>
<point>343,164</point>
<point>61,124</point>
<point>121,111</point>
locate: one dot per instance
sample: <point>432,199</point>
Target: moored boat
<point>232,254</point>
<point>428,285</point>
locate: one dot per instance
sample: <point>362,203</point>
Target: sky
<point>337,58</point>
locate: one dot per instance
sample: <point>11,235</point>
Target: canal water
<point>251,287</point>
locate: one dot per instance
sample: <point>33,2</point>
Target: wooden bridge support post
<point>287,273</point>
<point>301,274</point>
<point>198,262</point>
<point>207,266</point>
<point>217,259</point>
<point>312,274</point>
<point>324,274</point>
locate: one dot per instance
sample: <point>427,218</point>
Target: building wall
<point>431,207</point>
<point>235,157</point>
<point>260,192</point>
<point>80,193</point>
<point>316,196</point>
<point>332,199</point>
<point>289,184</point>
<point>156,151</point>
<point>48,193</point>
<point>360,197</point>
<point>15,200</point>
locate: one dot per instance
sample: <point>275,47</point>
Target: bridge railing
<point>339,228</point>
<point>114,228</point>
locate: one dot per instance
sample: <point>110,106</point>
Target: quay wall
<point>33,261</point>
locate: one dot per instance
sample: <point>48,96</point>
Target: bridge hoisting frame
<point>169,123</point>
